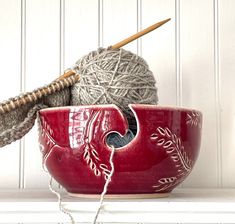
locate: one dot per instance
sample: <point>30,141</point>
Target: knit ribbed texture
<point>18,122</point>
<point>18,130</point>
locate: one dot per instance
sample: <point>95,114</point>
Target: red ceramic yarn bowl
<point>161,155</point>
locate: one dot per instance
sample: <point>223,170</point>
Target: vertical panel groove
<point>177,58</point>
<point>217,94</point>
<point>100,23</point>
<point>139,26</point>
<point>22,89</point>
<point>177,55</point>
<point>62,35</point>
<point>62,40</point>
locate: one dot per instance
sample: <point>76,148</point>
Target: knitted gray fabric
<point>16,123</point>
<point>14,127</point>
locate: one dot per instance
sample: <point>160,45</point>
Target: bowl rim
<point>144,106</point>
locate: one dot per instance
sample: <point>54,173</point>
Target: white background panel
<point>42,66</point>
<point>81,29</point>
<point>227,71</point>
<point>119,22</point>
<point>10,84</point>
<point>158,47</point>
<point>198,83</point>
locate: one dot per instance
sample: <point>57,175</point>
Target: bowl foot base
<point>121,196</point>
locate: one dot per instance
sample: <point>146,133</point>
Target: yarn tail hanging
<point>102,196</point>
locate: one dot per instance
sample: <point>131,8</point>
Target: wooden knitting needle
<point>139,34</point>
<point>124,42</point>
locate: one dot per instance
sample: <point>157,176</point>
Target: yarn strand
<point>61,208</point>
<point>57,193</point>
<point>105,189</point>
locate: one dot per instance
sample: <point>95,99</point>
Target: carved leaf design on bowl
<point>49,142</point>
<point>194,119</point>
<point>173,146</point>
<point>91,157</point>
<point>93,121</point>
<point>88,147</point>
<point>46,133</point>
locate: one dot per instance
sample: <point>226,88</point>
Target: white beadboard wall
<point>192,57</point>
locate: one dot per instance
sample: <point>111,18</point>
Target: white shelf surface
<point>182,206</point>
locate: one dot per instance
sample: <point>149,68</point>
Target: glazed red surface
<point>162,154</point>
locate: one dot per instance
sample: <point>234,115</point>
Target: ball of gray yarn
<point>117,77</point>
